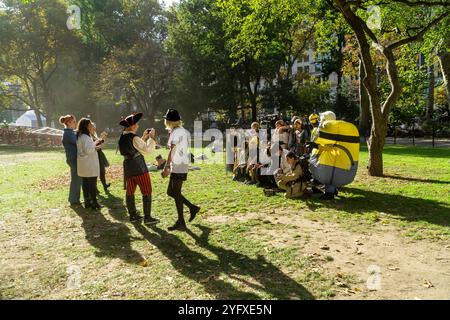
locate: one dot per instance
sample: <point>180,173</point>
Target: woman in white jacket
<point>88,166</point>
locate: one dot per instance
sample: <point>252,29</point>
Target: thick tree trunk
<point>364,103</point>
<point>444,61</point>
<point>376,145</point>
<point>430,100</point>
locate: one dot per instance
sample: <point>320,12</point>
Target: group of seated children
<point>288,169</point>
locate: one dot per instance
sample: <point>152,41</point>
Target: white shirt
<point>87,157</point>
<point>179,137</point>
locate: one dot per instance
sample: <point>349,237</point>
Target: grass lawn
<point>243,245</point>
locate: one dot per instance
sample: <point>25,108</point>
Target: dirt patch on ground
<point>383,264</point>
<point>113,173</point>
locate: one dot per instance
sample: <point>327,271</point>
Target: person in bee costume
<point>132,148</point>
<point>335,154</point>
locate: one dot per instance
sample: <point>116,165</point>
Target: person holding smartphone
<point>132,148</point>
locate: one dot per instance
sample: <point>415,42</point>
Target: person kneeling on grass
<point>292,182</point>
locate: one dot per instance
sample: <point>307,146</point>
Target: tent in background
<point>29,119</point>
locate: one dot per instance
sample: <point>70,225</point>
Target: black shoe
<point>75,204</point>
<point>316,189</point>
<point>135,217</point>
<point>150,221</point>
<point>181,226</point>
<point>96,206</point>
<point>194,210</point>
<point>327,196</point>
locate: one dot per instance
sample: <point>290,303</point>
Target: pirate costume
<point>135,169</point>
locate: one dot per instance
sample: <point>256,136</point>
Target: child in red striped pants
<point>132,148</point>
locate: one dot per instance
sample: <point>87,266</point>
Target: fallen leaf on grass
<point>393,268</point>
<point>427,284</point>
<point>325,247</point>
<point>357,251</point>
<point>143,263</point>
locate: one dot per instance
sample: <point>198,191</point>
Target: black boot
<point>131,207</point>
<point>87,203</point>
<point>193,211</point>
<point>147,204</point>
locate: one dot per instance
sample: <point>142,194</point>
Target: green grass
<point>41,236</point>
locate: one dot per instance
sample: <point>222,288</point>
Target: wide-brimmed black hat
<point>172,115</point>
<point>131,119</point>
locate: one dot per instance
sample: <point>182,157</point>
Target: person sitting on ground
<point>282,133</point>
<point>160,162</point>
<point>301,137</point>
<point>240,170</point>
<point>292,181</point>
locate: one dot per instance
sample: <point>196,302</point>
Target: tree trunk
<point>444,61</point>
<point>430,100</point>
<point>376,145</point>
<point>364,103</point>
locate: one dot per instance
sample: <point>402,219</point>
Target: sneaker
<point>181,226</point>
<point>194,212</point>
<point>150,221</point>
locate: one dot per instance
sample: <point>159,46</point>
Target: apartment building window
<point>306,58</point>
<point>306,69</point>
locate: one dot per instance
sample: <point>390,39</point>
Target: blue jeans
<point>330,188</point>
<point>75,184</point>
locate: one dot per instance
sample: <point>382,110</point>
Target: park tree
<point>403,22</point>
<point>34,38</point>
<point>205,77</point>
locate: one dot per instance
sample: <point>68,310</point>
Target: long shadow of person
<point>242,269</point>
<point>115,206</point>
<point>408,208</point>
<point>111,239</point>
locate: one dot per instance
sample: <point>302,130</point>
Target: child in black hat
<point>135,169</point>
<point>177,165</point>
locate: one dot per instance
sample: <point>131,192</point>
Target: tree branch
<point>420,34</point>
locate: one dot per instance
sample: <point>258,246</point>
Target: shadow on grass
<point>264,275</point>
<point>115,206</point>
<point>416,179</point>
<point>111,239</point>
<point>408,208</point>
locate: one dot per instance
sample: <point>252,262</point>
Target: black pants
<point>103,175</point>
<point>174,191</point>
<point>89,186</point>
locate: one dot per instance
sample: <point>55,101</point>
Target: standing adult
<point>103,161</point>
<point>88,166</point>
<point>132,148</point>
<point>69,141</point>
<point>177,166</point>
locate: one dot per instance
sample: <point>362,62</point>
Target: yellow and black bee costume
<point>335,161</point>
